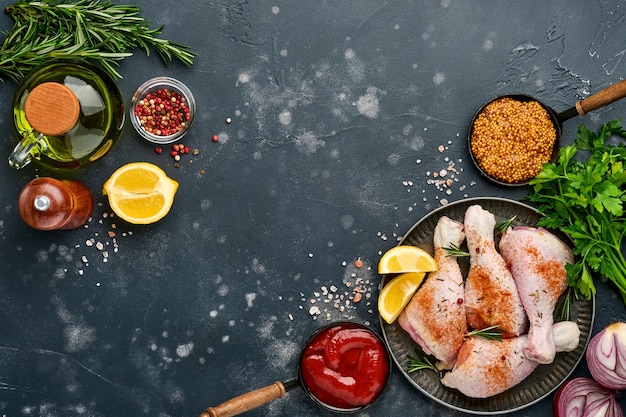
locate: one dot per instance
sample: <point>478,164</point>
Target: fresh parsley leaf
<point>582,194</point>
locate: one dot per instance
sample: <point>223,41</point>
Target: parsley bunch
<point>585,200</point>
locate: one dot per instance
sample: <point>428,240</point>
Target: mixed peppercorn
<point>163,112</point>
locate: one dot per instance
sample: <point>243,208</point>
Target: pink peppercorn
<point>215,138</point>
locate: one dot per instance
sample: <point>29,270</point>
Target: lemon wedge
<point>397,293</point>
<point>405,258</point>
<point>140,192</point>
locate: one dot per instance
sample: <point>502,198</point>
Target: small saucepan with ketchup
<point>344,367</point>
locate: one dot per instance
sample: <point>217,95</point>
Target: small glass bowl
<point>151,87</point>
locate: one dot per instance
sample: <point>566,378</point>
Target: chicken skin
<point>435,317</point>
<point>537,259</point>
<point>491,296</point>
<point>486,368</point>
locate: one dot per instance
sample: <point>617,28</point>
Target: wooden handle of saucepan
<point>602,98</point>
<point>247,401</point>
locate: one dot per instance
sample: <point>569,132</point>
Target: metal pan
<point>600,99</point>
<point>261,396</point>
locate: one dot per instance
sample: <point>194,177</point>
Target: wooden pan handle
<point>247,401</point>
<point>602,98</point>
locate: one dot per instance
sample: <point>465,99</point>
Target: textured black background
<point>339,110</point>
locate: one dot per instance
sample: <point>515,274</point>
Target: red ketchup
<point>345,366</point>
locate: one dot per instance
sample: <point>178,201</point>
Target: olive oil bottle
<point>66,115</point>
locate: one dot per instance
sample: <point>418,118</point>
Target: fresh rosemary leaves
<point>504,225</point>
<point>420,361</point>
<point>488,333</point>
<point>84,30</point>
<point>455,251</point>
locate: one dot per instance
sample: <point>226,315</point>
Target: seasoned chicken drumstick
<point>486,368</point>
<point>491,296</point>
<point>537,261</point>
<point>435,317</point>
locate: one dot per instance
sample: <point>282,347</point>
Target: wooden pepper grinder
<point>51,204</point>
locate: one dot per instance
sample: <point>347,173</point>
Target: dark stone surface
<point>338,112</point>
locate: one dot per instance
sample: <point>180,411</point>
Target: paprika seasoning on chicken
<point>345,367</point>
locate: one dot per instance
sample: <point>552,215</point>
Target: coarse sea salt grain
<point>104,241</point>
<point>340,302</point>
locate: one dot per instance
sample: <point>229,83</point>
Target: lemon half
<point>140,192</point>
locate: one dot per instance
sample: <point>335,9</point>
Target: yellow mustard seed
<point>512,139</point>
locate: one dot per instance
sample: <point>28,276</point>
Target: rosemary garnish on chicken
<point>83,30</point>
<point>488,333</point>
<point>504,225</point>
<point>455,251</point>
<point>420,361</point>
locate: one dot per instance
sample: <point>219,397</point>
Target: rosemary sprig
<point>489,333</point>
<point>454,250</point>
<point>420,362</point>
<point>503,226</point>
<point>84,30</point>
<point>564,313</point>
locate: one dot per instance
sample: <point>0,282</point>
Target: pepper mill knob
<point>51,204</point>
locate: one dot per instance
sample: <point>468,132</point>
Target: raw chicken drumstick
<point>435,317</point>
<point>489,367</point>
<point>537,261</point>
<point>491,296</point>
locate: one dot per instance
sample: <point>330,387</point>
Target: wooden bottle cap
<point>52,108</point>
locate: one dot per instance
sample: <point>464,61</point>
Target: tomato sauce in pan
<point>345,366</point>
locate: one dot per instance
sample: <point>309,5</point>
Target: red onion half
<point>606,356</point>
<point>583,397</point>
